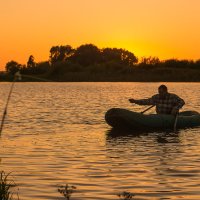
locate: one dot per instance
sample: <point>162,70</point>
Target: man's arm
<point>149,101</point>
<point>179,103</point>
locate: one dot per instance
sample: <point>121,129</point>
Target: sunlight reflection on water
<point>55,133</point>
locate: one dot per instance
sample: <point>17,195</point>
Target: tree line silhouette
<point>89,63</point>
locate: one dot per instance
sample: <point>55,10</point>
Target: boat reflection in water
<point>156,164</point>
<point>160,135</point>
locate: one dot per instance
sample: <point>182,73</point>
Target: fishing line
<point>33,77</point>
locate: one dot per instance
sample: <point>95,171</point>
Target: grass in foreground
<point>67,191</point>
<point>6,186</point>
<point>126,196</point>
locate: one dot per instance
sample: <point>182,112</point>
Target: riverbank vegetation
<point>89,63</point>
<point>7,184</point>
<point>6,187</point>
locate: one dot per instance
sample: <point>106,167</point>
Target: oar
<point>175,121</point>
<point>147,109</point>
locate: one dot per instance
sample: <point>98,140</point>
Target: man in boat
<point>165,102</point>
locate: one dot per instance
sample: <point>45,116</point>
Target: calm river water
<point>55,134</point>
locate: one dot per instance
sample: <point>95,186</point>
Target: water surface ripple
<point>55,134</point>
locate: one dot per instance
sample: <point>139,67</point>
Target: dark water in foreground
<point>55,133</point>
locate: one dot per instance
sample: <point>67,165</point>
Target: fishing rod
<point>17,76</point>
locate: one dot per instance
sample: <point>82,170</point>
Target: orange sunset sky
<point>162,28</point>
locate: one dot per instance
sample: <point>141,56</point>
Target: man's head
<point>162,90</point>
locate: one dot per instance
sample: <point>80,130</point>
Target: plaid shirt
<point>163,106</point>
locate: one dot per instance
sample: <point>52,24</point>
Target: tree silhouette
<point>89,63</point>
<point>31,62</point>
<point>60,53</point>
<point>118,55</point>
<point>86,55</point>
<point>12,67</point>
<point>150,60</point>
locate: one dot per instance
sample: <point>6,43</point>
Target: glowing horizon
<point>164,29</point>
